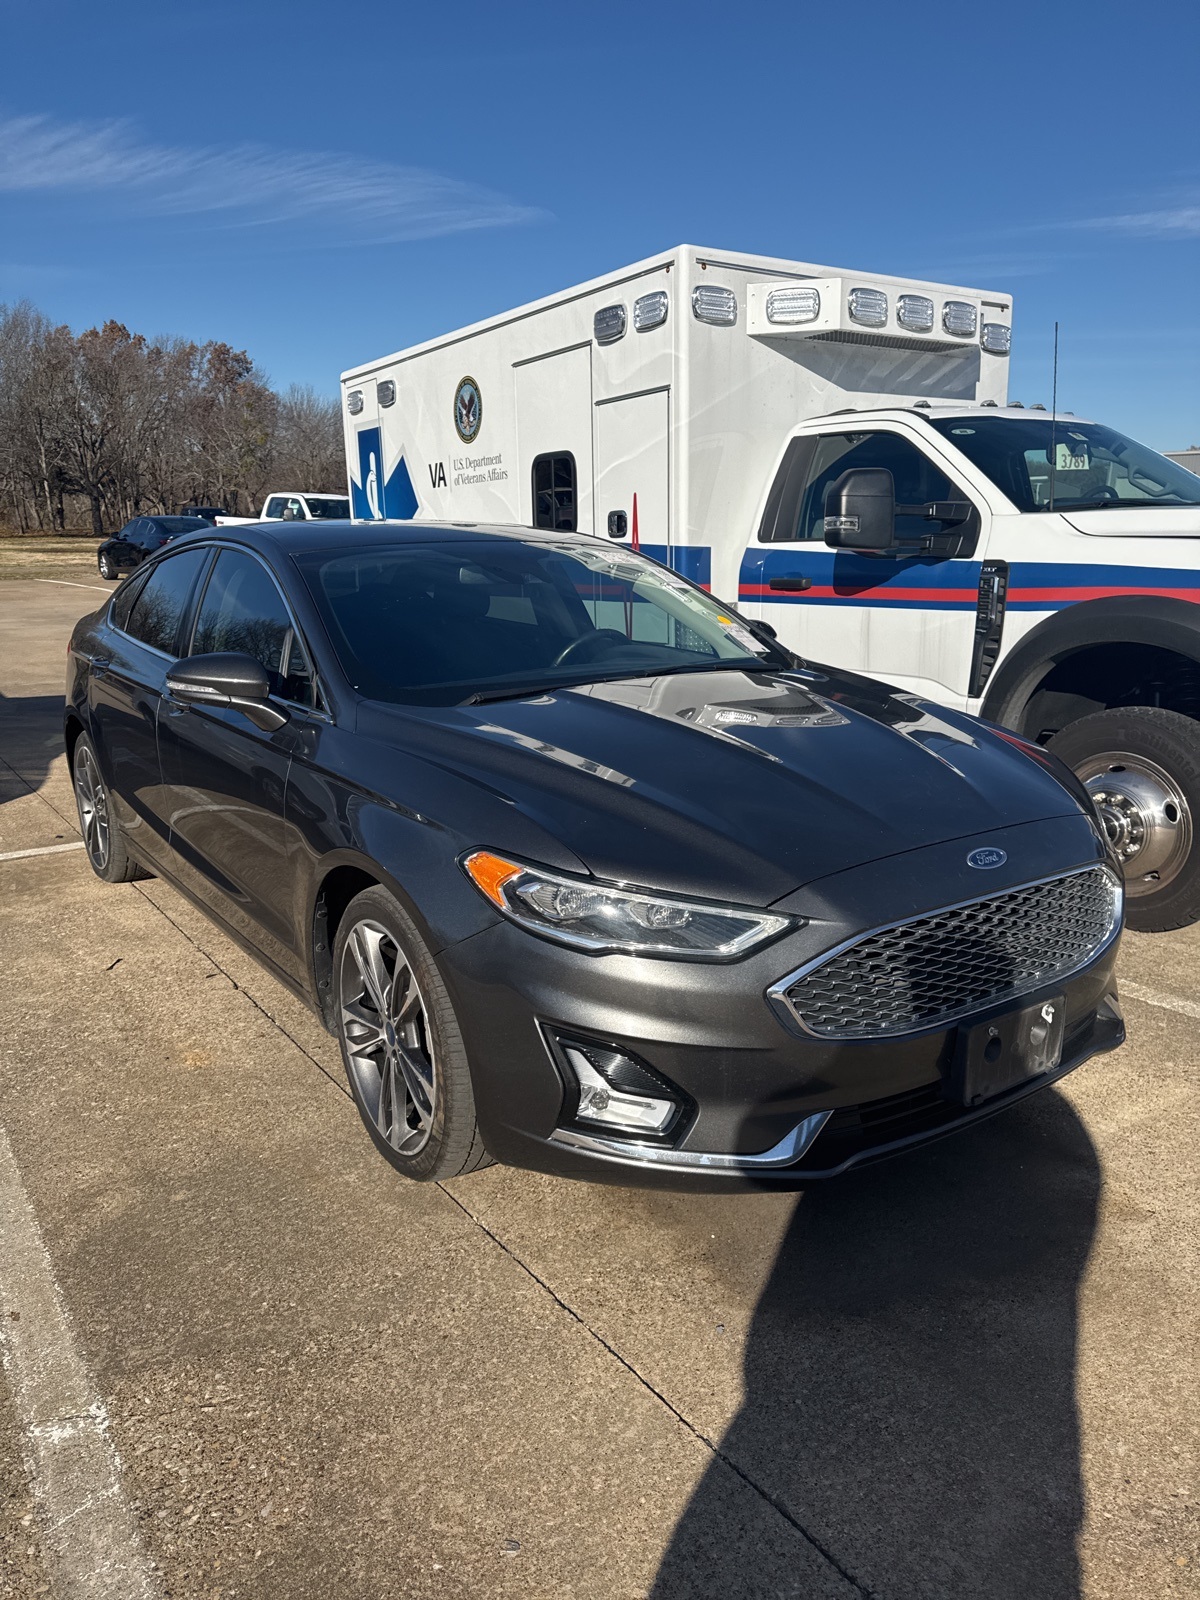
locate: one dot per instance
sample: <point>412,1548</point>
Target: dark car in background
<point>584,871</point>
<point>207,514</point>
<point>139,538</point>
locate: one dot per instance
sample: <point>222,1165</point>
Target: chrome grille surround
<point>932,970</point>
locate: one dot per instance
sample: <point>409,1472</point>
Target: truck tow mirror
<point>860,510</point>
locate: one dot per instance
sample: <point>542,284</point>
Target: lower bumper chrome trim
<point>789,1149</point>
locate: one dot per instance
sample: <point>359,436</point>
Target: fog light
<point>618,1092</point>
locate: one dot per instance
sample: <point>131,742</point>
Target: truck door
<point>909,620</point>
<point>554,439</point>
<point>633,470</point>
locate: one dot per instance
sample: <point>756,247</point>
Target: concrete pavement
<point>971,1373</point>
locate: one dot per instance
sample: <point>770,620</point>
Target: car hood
<point>1146,522</point>
<point>746,785</point>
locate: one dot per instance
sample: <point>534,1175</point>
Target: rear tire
<point>401,1044</point>
<point>1142,766</point>
<point>102,836</point>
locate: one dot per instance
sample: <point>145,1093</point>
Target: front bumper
<point>772,1108</point>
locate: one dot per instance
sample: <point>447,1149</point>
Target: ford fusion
<point>585,872</point>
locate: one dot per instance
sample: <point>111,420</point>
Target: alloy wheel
<point>389,1046</point>
<point>92,799</point>
<point>1145,815</point>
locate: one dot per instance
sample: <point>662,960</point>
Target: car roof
<point>297,538</point>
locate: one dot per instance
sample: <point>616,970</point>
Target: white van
<point>837,450</point>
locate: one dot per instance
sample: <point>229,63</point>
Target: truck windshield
<point>327,507</point>
<point>442,624</point>
<point>1044,464</point>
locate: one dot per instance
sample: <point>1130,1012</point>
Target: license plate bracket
<point>993,1056</point>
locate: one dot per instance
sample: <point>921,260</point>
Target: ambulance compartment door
<point>553,395</point>
<point>633,471</point>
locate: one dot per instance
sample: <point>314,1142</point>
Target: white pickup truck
<point>290,505</point>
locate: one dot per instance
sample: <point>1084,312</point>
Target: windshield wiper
<point>1129,505</point>
<point>518,691</point>
<point>513,692</point>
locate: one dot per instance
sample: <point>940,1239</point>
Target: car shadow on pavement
<point>31,737</point>
<point>910,1383</point>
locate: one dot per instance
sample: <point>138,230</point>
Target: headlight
<point>603,917</point>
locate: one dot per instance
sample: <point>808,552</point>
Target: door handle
<point>793,583</point>
<point>99,665</point>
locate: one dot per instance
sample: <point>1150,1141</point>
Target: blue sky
<point>322,184</point>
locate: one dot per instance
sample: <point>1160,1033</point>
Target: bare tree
<point>110,423</point>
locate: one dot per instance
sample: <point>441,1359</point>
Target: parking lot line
<point>67,584</point>
<point>1155,997</point>
<point>91,1541</point>
<point>41,850</point>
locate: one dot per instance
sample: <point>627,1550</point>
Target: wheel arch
<point>72,728</point>
<point>342,877</point>
<point>1123,650</point>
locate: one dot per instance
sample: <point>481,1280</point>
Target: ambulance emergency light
<point>843,309</point>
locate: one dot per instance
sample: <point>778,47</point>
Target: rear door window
<point>554,492</point>
<point>161,604</point>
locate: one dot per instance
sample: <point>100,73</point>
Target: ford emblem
<point>989,856</point>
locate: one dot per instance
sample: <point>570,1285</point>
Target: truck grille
<point>940,967</point>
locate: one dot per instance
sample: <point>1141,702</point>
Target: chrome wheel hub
<point>1145,815</point>
<point>388,1042</point>
<point>92,801</point>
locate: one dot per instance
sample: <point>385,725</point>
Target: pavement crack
<point>711,1445</point>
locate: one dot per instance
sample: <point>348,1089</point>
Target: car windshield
<point>1058,464</point>
<point>327,507</point>
<point>177,524</point>
<point>438,624</point>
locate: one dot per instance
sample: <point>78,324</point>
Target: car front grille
<point>940,967</point>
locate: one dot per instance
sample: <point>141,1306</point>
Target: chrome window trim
<point>776,995</point>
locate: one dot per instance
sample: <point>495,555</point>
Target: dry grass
<point>36,555</point>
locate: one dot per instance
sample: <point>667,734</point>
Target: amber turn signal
<point>490,873</point>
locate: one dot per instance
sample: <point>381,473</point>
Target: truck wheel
<point>1142,766</point>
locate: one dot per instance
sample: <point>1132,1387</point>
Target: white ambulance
<point>837,450</point>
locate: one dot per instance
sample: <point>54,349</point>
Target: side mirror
<point>226,678</point>
<point>860,510</point>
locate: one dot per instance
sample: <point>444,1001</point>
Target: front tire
<point>1142,766</point>
<point>102,836</point>
<point>401,1045</point>
<point>107,570</point>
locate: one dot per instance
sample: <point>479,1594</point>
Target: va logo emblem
<point>468,410</point>
<point>989,856</point>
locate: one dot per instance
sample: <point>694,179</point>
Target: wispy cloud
<point>360,200</point>
<point>1173,222</point>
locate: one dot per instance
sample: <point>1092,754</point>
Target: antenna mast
<point>1054,420</point>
